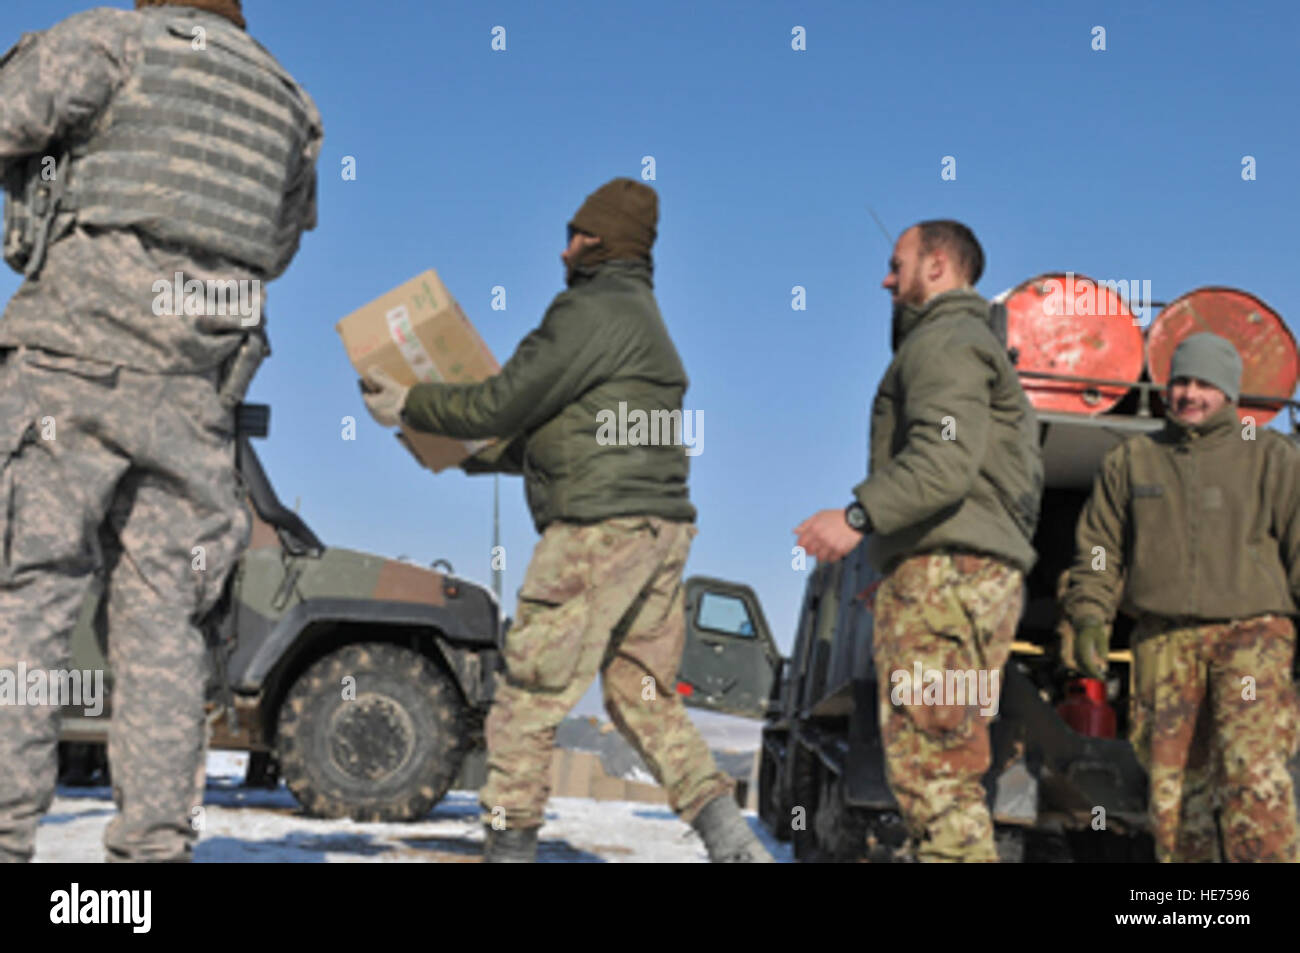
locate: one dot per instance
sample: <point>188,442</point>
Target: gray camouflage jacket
<point>97,293</point>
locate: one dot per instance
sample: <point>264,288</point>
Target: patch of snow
<point>253,824</point>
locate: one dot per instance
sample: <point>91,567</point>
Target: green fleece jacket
<point>1194,521</point>
<point>955,462</point>
<point>589,407</point>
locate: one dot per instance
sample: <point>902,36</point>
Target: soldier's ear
<point>934,262</point>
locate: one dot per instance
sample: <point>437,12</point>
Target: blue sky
<point>1118,164</point>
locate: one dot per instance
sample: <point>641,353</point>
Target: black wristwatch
<point>856,517</point>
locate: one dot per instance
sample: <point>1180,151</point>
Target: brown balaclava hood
<point>623,214</point>
<point>229,9</point>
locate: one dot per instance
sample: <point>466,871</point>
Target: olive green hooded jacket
<point>955,462</point>
<point>556,406</point>
<point>1197,522</point>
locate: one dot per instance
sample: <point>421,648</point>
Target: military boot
<point>726,834</point>
<point>514,845</point>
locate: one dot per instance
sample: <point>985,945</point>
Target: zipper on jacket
<point>1191,486</point>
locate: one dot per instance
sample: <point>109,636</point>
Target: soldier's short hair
<point>958,240</point>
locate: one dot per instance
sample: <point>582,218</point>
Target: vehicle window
<point>728,614</point>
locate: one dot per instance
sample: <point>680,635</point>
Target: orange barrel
<point>1067,324</point>
<point>1267,348</point>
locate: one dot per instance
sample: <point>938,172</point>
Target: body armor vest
<point>27,192</point>
<point>197,149</point>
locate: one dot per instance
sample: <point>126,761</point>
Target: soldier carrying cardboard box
<point>603,592</point>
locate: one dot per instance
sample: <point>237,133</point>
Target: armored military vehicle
<point>1054,793</point>
<point>360,680</point>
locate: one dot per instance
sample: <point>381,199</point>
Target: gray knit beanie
<point>1209,358</point>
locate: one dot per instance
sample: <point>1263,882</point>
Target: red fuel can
<point>1086,710</point>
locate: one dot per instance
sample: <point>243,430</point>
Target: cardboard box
<point>418,333</point>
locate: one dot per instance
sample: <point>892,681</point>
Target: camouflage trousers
<point>605,597</point>
<point>949,613</point>
<point>130,475</point>
<point>1213,716</point>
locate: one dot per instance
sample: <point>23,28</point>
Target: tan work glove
<point>384,397</point>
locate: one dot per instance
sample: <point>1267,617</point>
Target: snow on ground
<point>727,732</point>
<point>255,825</point>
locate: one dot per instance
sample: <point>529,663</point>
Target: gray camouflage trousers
<point>132,474</point>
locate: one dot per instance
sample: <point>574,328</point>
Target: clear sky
<point>1122,163</point>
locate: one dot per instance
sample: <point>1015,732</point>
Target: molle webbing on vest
<point>198,147</point>
<point>132,116</point>
<point>118,143</point>
<point>256,84</point>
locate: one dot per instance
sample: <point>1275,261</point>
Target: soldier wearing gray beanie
<point>1202,522</point>
<point>1210,358</point>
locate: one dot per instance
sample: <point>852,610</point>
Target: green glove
<point>1091,643</point>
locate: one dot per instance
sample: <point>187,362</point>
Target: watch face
<point>855,516</point>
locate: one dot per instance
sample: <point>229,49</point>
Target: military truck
<point>1054,794</point>
<point>821,774</point>
<point>360,680</point>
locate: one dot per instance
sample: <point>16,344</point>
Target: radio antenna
<point>884,231</point>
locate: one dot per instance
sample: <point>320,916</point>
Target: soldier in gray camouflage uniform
<point>178,151</point>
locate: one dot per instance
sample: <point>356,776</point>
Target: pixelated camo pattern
<point>104,466</point>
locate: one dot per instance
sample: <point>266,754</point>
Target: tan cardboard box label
<point>418,333</point>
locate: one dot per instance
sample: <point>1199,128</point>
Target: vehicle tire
<point>263,770</point>
<point>770,810</point>
<point>841,831</point>
<point>805,783</point>
<point>1047,847</point>
<point>885,838</point>
<point>388,753</point>
<point>1105,847</point>
<point>1011,844</point>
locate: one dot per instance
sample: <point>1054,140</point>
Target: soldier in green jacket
<point>1195,531</point>
<point>950,507</point>
<point>603,592</point>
